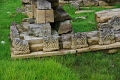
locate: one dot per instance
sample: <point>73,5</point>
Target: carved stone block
<point>79,40</point>
<point>43,4</point>
<point>39,30</point>
<point>63,27</point>
<point>115,22</point>
<point>51,43</point>
<point>106,34</point>
<point>20,46</point>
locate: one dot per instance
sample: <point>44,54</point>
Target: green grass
<point>87,66</point>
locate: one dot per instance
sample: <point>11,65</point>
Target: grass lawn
<point>87,66</point>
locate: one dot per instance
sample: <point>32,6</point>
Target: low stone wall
<point>49,32</point>
<point>93,2</point>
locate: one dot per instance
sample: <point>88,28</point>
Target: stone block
<point>43,5</point>
<point>33,40</point>
<point>103,3</point>
<point>63,27</point>
<point>44,16</point>
<point>26,1</point>
<point>93,37</point>
<point>39,30</point>
<point>115,22</point>
<point>61,15</point>
<point>20,46</point>
<point>105,15</point>
<point>36,47</point>
<point>79,40</point>
<point>106,34</point>
<point>51,43</point>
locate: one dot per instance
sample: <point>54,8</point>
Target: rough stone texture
<point>60,14</point>
<point>106,34</point>
<point>117,37</point>
<point>14,32</point>
<point>33,40</point>
<point>79,40</point>
<point>103,3</point>
<point>90,2</point>
<point>43,4</point>
<point>39,30</point>
<point>105,15</point>
<point>27,7</point>
<point>115,22</point>
<point>93,38</point>
<point>63,27</point>
<point>51,43</point>
<point>25,1</point>
<point>66,41</point>
<point>20,46</point>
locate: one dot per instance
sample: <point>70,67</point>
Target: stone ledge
<point>64,52</point>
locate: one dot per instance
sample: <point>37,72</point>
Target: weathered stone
<point>44,16</point>
<point>79,40</point>
<point>117,37</point>
<point>106,34</point>
<point>29,14</point>
<point>93,38</point>
<point>90,2</point>
<point>111,51</point>
<point>25,26</point>
<point>76,5</point>
<point>51,43</point>
<point>36,47</point>
<point>25,1</point>
<point>23,34</point>
<point>27,7</point>
<point>66,41</point>
<point>105,15</point>
<point>115,22</point>
<point>60,14</point>
<point>103,3</point>
<point>20,46</point>
<point>39,30</point>
<point>43,4</point>
<point>33,40</point>
<point>14,32</point>
<point>63,27</point>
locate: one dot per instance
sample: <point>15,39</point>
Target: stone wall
<point>50,33</point>
<point>96,2</point>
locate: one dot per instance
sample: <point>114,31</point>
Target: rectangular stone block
<point>79,40</point>
<point>106,34</point>
<point>105,15</point>
<point>36,47</point>
<point>39,30</point>
<point>44,16</point>
<point>25,1</point>
<point>51,43</point>
<point>63,27</point>
<point>43,5</point>
<point>34,40</point>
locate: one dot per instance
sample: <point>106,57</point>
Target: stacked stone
<point>26,4</point>
<point>18,46</point>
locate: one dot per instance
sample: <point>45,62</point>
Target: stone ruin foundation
<point>48,32</point>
